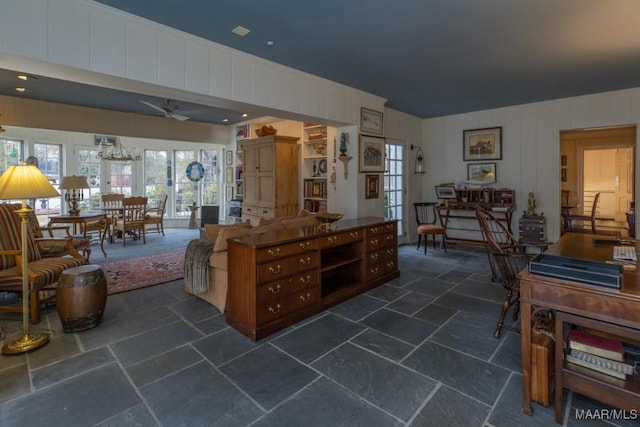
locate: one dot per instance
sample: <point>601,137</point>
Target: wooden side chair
<point>426,217</point>
<point>57,247</point>
<point>510,257</point>
<point>585,219</point>
<point>112,206</point>
<point>134,211</point>
<point>155,216</point>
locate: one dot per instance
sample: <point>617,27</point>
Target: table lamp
<point>22,182</point>
<point>73,185</point>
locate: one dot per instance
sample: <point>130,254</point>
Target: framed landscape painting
<point>483,144</point>
<point>371,154</point>
<point>484,172</point>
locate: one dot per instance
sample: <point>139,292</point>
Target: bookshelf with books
<point>315,166</point>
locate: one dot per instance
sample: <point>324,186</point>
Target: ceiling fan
<point>168,109</point>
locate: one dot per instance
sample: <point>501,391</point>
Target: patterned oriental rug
<point>139,273</point>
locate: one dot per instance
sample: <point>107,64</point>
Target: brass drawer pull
<point>274,290</point>
<point>305,280</point>
<point>390,237</point>
<point>275,310</point>
<point>276,270</point>
<point>274,252</point>
<point>374,229</point>
<point>389,251</point>
<point>391,264</point>
<point>305,261</point>
<point>332,239</point>
<point>305,245</point>
<point>307,298</point>
<point>374,257</point>
<point>353,234</point>
<point>374,242</point>
<point>375,270</point>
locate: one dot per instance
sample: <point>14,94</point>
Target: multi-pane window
<point>393,188</point>
<point>155,175</point>
<point>10,153</point>
<point>184,188</point>
<point>89,166</point>
<point>49,162</point>
<point>209,183</point>
<point>121,179</point>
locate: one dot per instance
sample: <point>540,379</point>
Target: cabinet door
<point>250,159</point>
<point>251,189</point>
<point>264,153</point>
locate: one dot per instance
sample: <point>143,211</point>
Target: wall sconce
<point>419,165</point>
<point>75,184</point>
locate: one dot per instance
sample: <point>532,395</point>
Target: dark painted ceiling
<point>427,57</point>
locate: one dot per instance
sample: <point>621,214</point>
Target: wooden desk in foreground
<point>609,310</point>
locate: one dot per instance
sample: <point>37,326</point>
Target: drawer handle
<point>374,270</point>
<point>305,245</point>
<point>389,251</point>
<point>305,280</point>
<point>275,270</point>
<point>374,242</point>
<point>391,264</point>
<point>389,227</point>
<point>374,256</point>
<point>265,212</point>
<point>353,234</point>
<point>332,239</point>
<point>374,229</point>
<point>306,298</point>
<point>275,290</point>
<point>274,252</point>
<point>389,237</point>
<point>275,310</point>
<point>306,261</point>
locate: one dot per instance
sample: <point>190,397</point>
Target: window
<point>155,175</point>
<point>121,178</point>
<point>210,191</point>
<point>89,166</point>
<point>49,156</point>
<point>10,153</point>
<point>184,188</point>
<point>393,188</point>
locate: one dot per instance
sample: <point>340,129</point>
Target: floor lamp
<point>22,182</point>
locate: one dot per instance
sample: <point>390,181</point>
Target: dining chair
<point>112,206</point>
<point>585,219</point>
<point>426,218</point>
<point>510,257</point>
<point>155,216</point>
<point>132,220</point>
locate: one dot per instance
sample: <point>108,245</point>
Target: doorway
<point>601,161</point>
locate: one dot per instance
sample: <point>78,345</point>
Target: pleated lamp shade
<point>73,182</point>
<point>25,182</point>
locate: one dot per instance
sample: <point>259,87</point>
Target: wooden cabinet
<point>270,170</point>
<point>532,229</point>
<point>279,278</point>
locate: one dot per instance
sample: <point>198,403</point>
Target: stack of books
<point>597,353</point>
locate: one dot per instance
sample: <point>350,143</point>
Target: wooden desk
<point>83,218</point>
<point>609,310</point>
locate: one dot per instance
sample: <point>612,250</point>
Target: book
<point>597,375</point>
<point>600,346</point>
<point>603,362</point>
<point>595,367</point>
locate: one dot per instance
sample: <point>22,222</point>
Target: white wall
<point>530,145</point>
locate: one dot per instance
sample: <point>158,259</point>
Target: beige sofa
<point>215,291</point>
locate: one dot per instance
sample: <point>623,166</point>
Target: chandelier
<point>116,151</point>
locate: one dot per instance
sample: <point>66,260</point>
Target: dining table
<point>80,221</point>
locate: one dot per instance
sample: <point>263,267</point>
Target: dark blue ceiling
<point>429,57</point>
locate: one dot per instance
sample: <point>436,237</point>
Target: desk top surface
<point>579,245</point>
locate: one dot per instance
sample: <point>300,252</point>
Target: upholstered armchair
<point>43,271</point>
<point>53,247</point>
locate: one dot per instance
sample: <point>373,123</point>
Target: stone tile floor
<point>417,351</point>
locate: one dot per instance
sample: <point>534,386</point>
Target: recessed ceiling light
<point>225,120</point>
<point>26,77</point>
<point>270,43</point>
<point>21,89</point>
<point>244,114</point>
<point>241,31</point>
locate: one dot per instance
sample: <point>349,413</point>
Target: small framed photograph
<point>229,157</point>
<point>316,190</point>
<point>372,186</point>
<point>484,172</point>
<point>445,192</point>
<point>229,174</point>
<point>371,154</point>
<point>483,144</point>
<point>242,132</point>
<point>563,174</point>
<point>370,121</point>
<point>229,192</point>
<point>563,160</point>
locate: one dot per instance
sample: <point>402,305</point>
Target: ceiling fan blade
<point>178,116</point>
<point>155,107</point>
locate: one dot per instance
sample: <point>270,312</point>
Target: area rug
<point>139,273</point>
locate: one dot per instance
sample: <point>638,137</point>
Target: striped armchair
<point>43,271</point>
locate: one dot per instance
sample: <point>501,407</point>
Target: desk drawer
<point>380,269</point>
<point>284,267</point>
<point>379,255</point>
<point>275,252</point>
<point>276,290</point>
<point>340,238</point>
<point>381,241</point>
<point>389,227</point>
<point>288,304</point>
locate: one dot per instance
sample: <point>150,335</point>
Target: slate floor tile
<point>468,333</point>
<point>400,326</point>
<point>443,409</point>
<point>383,345</point>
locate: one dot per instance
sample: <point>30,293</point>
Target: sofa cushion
<point>211,230</point>
<point>303,221</point>
<point>219,260</point>
<point>269,227</point>
<point>267,221</point>
<point>229,233</point>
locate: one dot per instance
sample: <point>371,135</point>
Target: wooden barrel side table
<point>81,297</point>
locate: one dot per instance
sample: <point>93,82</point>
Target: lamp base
<point>25,343</point>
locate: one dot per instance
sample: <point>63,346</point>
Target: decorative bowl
<point>266,130</point>
<point>326,218</point>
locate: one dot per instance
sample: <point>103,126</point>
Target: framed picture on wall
<point>371,154</point>
<point>229,157</point>
<point>445,192</point>
<point>242,132</point>
<point>229,192</point>
<point>482,144</point>
<point>372,186</point>
<point>370,121</point>
<point>229,174</point>
<point>484,172</point>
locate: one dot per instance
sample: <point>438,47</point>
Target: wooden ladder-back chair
<point>155,216</point>
<point>112,206</point>
<point>426,218</point>
<point>589,219</point>
<point>43,270</point>
<point>134,211</point>
<point>510,257</point>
